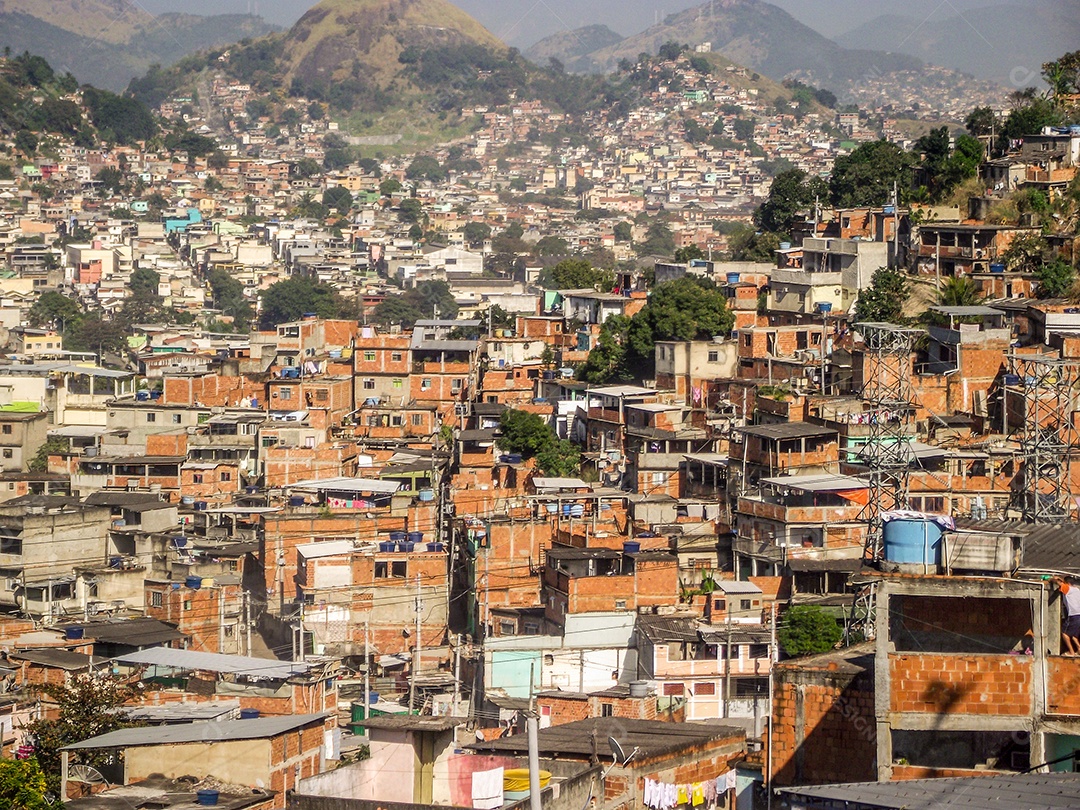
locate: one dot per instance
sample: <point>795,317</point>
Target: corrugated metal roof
<point>786,430</point>
<point>1032,791</point>
<point>215,662</point>
<point>256,728</point>
<point>817,483</point>
<point>329,548</point>
<point>375,485</point>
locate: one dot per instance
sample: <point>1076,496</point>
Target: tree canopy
<point>528,434</point>
<point>792,193</point>
<point>86,707</point>
<point>883,301</point>
<point>867,175</point>
<point>576,274</point>
<point>807,629</point>
<point>292,298</point>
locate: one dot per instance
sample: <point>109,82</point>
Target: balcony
<point>802,509</point>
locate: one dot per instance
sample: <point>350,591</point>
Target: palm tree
<point>959,291</point>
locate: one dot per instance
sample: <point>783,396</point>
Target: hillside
<point>1003,43</point>
<point>572,48</point>
<point>763,37</point>
<point>108,42</point>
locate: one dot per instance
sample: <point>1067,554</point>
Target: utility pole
<point>246,599</point>
<point>416,650</point>
<point>769,747</point>
<point>221,618</point>
<point>727,665</point>
<point>532,726</point>
<point>367,667</point>
<point>457,673</point>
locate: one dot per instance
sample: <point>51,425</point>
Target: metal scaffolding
<point>1050,389</point>
<point>886,451</point>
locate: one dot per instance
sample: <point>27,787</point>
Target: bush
<point>805,630</point>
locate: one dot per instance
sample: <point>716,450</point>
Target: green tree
<point>791,193</point>
<point>476,232</point>
<point>1055,278</point>
<point>54,308</point>
<point>688,254</point>
<point>1027,253</point>
<point>551,246</point>
<point>23,785</point>
<point>959,291</point>
<point>980,121</point>
<point>560,458</point>
<point>91,333</point>
<point>395,309</point>
<point>306,167</point>
<point>523,432</point>
<point>687,308</point>
<point>122,118</point>
<point>410,210</point>
<point>339,198</point>
<point>227,295</point>
<point>748,245</point>
<point>807,629</point>
<point>883,301</point>
<point>659,240</point>
<point>52,446</point>
<point>86,707</point>
<point>623,231</point>
<point>429,296</point>
<point>290,299</point>
<point>389,186</point>
<point>576,274</point>
<point>26,142</point>
<point>427,168</point>
<point>867,175</point>
<point>144,283</point>
<point>606,360</point>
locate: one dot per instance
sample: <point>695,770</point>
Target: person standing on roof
<point>1070,629</point>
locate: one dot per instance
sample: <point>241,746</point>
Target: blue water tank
<point>193,582</point>
<point>912,541</point>
<point>733,278</point>
<point>397,537</point>
<point>249,714</point>
<point>73,633</point>
<point>577,510</point>
<point>416,537</point>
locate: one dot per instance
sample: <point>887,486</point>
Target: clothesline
<point>666,796</point>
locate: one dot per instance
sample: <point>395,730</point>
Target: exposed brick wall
<point>823,726</point>
<point>961,617</point>
<point>961,684</point>
<point>1063,685</point>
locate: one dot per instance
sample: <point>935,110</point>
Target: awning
<point>818,483</point>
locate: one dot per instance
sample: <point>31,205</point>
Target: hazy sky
<point>523,21</point>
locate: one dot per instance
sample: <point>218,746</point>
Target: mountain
<point>572,48</point>
<point>108,42</point>
<point>763,37</point>
<point>1004,43</point>
<point>365,39</point>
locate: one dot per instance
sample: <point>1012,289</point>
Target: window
<point>714,357</point>
<point>187,604</point>
<point>395,356</point>
<point>151,417</point>
<point>226,476</point>
<point>417,419</point>
<point>396,384</point>
<point>8,453</point>
<point>177,419</point>
<point>7,430</point>
<point>381,570</point>
<point>369,357</point>
<point>705,688</point>
<point>155,599</point>
<point>745,604</point>
<point>369,384</point>
<point>758,651</point>
<point>399,569</point>
<point>425,384</point>
<point>620,604</point>
<point>286,393</point>
<point>607,709</point>
<point>455,385</point>
<point>397,420</point>
<point>322,395</point>
<point>507,628</point>
<point>719,604</point>
<point>10,541</point>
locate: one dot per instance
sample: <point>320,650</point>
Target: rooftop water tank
<point>912,540</point>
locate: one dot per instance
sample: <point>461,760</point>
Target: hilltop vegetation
<point>107,44</point>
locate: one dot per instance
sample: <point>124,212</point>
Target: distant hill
<point>572,48</point>
<point>108,42</point>
<point>763,37</point>
<point>1007,44</point>
<point>336,38</point>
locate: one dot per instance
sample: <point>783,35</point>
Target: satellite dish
<point>77,772</point>
<point>616,750</point>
